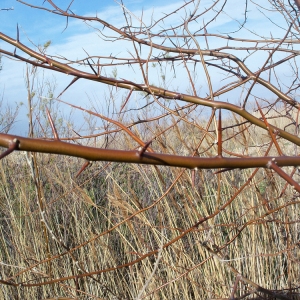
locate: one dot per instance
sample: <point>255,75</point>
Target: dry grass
<point>113,214</point>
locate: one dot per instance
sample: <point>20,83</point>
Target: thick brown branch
<point>96,154</point>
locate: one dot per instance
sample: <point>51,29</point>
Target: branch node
<point>269,164</point>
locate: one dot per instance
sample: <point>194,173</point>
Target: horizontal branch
<point>136,157</point>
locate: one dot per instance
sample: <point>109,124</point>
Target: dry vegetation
<point>187,197</point>
<point>118,214</point>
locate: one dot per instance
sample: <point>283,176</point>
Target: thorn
<point>14,145</point>
<point>52,124</point>
<point>142,151</point>
<point>223,170</point>
<point>18,33</point>
<point>85,165</point>
<point>125,102</point>
<point>74,80</point>
<point>92,68</point>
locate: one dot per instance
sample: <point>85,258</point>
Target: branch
<point>132,156</point>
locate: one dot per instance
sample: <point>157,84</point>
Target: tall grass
<point>114,214</point>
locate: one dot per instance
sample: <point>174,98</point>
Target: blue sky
<point>34,22</point>
<point>37,27</point>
